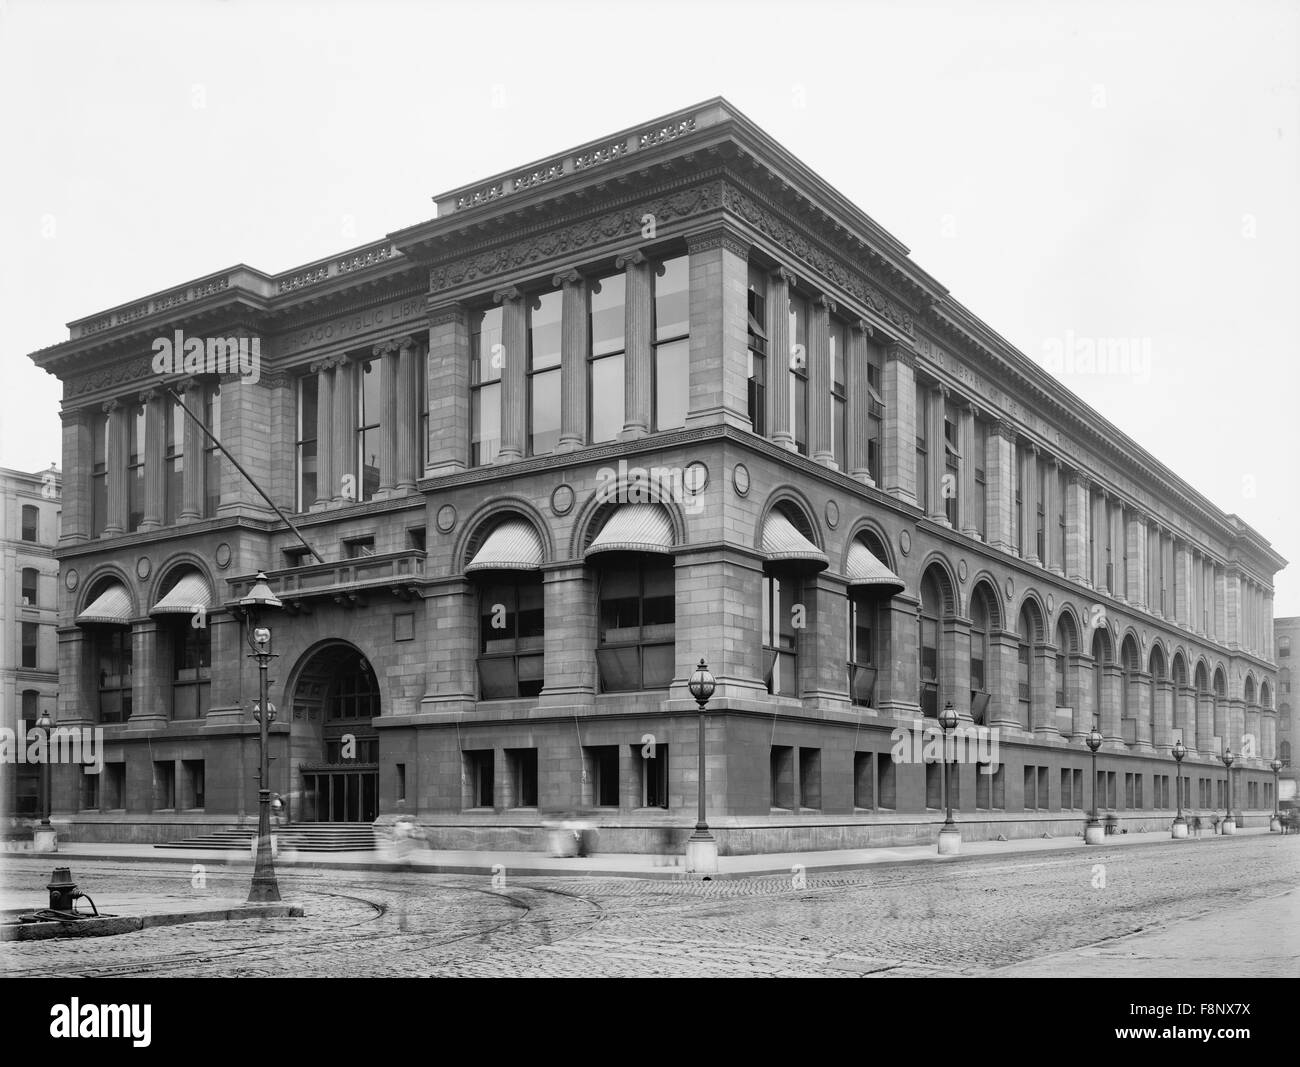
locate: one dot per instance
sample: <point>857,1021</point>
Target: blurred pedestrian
<point>1196,825</point>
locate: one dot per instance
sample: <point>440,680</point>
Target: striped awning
<point>512,546</point>
<point>189,594</point>
<point>865,571</point>
<point>111,608</point>
<point>783,543</point>
<point>635,528</point>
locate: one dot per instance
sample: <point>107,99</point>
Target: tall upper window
<point>308,399</point>
<point>875,410</point>
<point>605,377</point>
<point>31,644</point>
<point>922,447</point>
<point>839,394</point>
<point>1024,672</point>
<point>637,618</point>
<point>31,517</point>
<point>757,352</point>
<point>138,439</point>
<point>1038,472</point>
<point>174,464</point>
<point>951,459</point>
<point>979,643</point>
<point>30,578</point>
<point>211,453</point>
<point>1061,489</point>
<point>112,659</point>
<point>511,633</point>
<point>672,346</point>
<point>191,668</point>
<point>487,356</point>
<point>370,404</point>
<point>981,481</point>
<point>99,474</point>
<point>544,372</point>
<point>422,406</point>
<point>798,361</point>
<point>780,642</point>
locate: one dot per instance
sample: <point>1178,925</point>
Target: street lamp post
<point>701,848</point>
<point>1275,823</point>
<point>1093,833</point>
<point>1229,825</point>
<point>265,889</point>
<point>1180,824</point>
<point>45,838</point>
<point>949,835</point>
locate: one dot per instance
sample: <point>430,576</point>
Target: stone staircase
<point>300,837</point>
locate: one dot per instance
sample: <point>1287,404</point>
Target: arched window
<point>1101,658</point>
<point>931,644</point>
<point>507,563</point>
<point>1284,752</point>
<point>983,613</point>
<point>871,584</point>
<point>1250,690</point>
<point>112,658</point>
<point>1024,664</point>
<point>182,611</point>
<point>1067,645</point>
<point>637,615</point>
<point>1128,663</point>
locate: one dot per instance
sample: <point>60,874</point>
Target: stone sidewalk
<point>618,864</point>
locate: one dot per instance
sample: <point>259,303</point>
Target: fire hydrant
<point>63,890</point>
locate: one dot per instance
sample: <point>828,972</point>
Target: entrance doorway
<point>336,746</point>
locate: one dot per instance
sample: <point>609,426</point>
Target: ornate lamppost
<point>45,838</point>
<point>265,889</point>
<point>701,848</point>
<point>1229,825</point>
<point>1275,823</point>
<point>949,835</point>
<point>1093,833</point>
<point>1180,824</point>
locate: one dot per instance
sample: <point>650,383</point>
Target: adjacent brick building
<point>663,397</point>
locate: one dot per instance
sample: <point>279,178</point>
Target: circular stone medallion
<point>446,519</point>
<point>905,541</point>
<point>740,479</point>
<point>142,568</point>
<point>832,514</point>
<point>71,578</point>
<point>223,555</point>
<point>562,499</point>
<point>1011,588</point>
<point>961,570</point>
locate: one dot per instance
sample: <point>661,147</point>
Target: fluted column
<point>193,441</point>
<point>327,479</point>
<point>820,446</point>
<point>1051,508</point>
<point>1182,584</point>
<point>1117,541</point>
<point>1029,500</point>
<point>118,416</point>
<point>966,518</point>
<point>409,415</point>
<point>935,454</point>
<point>154,485</point>
<point>342,436</point>
<point>514,373</point>
<point>638,319</point>
<point>574,342</point>
<point>386,351</point>
<point>779,356</point>
<point>1098,528</point>
<point>1137,561</point>
<point>859,402</point>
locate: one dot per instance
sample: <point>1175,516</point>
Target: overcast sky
<point>1073,173</point>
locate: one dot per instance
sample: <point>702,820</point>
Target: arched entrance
<point>335,744</point>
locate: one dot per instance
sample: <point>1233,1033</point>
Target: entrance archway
<point>335,745</point>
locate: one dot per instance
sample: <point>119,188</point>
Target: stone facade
<point>759,390</point>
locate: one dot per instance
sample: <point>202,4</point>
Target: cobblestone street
<point>971,917</point>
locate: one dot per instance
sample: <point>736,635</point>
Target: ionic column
<point>1051,508</point>
<point>779,356</point>
<point>514,373</point>
<point>327,479</point>
<point>820,445</point>
<point>1182,584</point>
<point>859,402</point>
<point>342,436</point>
<point>936,454</point>
<point>154,423</point>
<point>1117,541</point>
<point>1097,527</point>
<point>638,318</point>
<point>118,416</point>
<point>1137,561</point>
<point>900,421</point>
<point>388,428</point>
<point>409,415</point>
<point>193,442</point>
<point>966,517</point>
<point>1029,498</point>
<point>574,342</point>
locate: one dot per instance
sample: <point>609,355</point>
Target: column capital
<point>1076,477</point>
<point>785,274</point>
<point>634,258</point>
<point>824,301</point>
<point>392,346</point>
<point>567,278</point>
<point>146,395</point>
<point>862,326</point>
<point>507,295</point>
<point>1005,429</point>
<point>110,406</point>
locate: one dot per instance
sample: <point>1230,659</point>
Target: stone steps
<point>302,837</point>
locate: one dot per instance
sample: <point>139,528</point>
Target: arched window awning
<point>783,543</point>
<point>868,574</point>
<point>190,593</point>
<point>635,528</point>
<point>111,608</point>
<point>512,546</point>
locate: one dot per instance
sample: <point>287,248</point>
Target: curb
<point>108,925</point>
